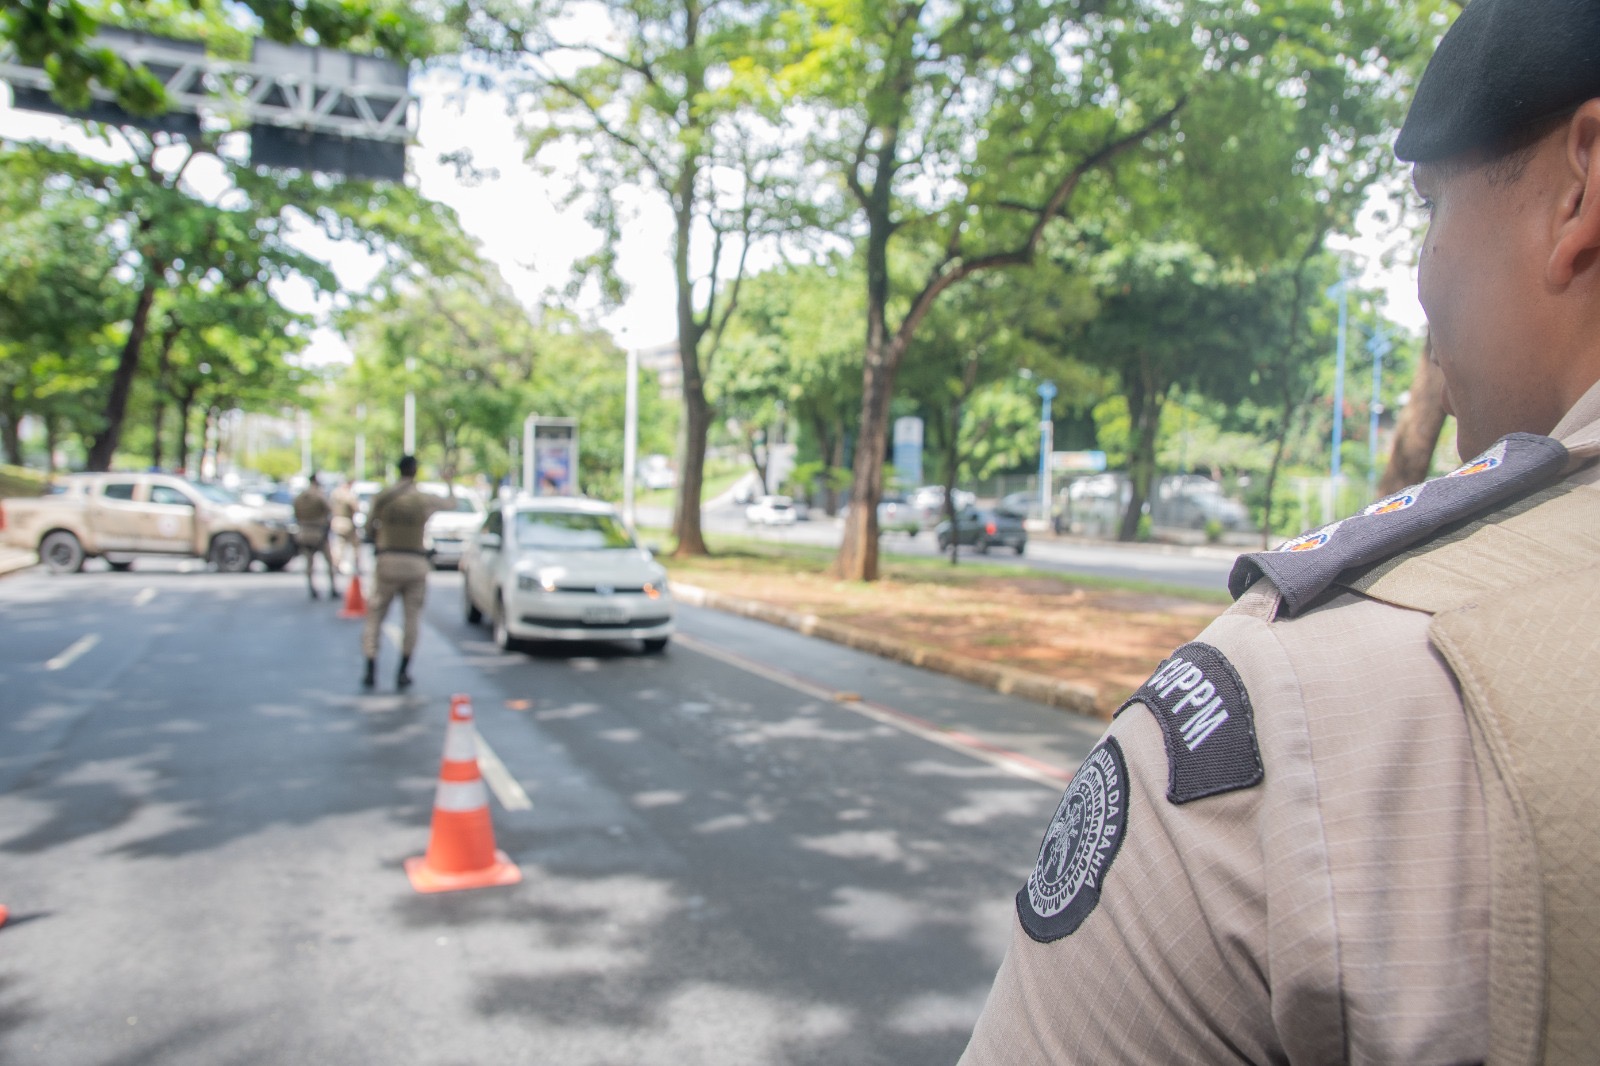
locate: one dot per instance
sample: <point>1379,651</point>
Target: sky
<point>522,227</point>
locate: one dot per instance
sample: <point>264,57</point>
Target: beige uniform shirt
<point>1337,911</point>
<point>401,511</point>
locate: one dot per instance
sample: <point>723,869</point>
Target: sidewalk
<point>12,560</point>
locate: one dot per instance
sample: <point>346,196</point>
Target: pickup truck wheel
<point>230,553</point>
<point>61,552</point>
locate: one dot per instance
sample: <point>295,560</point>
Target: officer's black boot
<point>403,678</point>
<point>313,590</point>
<point>369,678</point>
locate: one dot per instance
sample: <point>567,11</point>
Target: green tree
<point>975,128</point>
<point>663,98</point>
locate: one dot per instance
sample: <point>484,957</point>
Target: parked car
<point>771,511</point>
<point>929,503</point>
<point>447,532</point>
<point>897,515</point>
<point>122,516</point>
<point>563,568</point>
<point>655,472</point>
<point>984,529</point>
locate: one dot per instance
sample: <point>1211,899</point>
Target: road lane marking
<point>144,597</point>
<point>1011,762</point>
<point>79,647</point>
<point>504,786</point>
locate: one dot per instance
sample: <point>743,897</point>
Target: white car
<point>771,511</point>
<point>447,532</point>
<point>563,568</point>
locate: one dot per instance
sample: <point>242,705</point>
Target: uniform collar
<point>1582,422</point>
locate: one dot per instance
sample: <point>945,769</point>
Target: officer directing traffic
<point>397,518</point>
<point>1355,820</point>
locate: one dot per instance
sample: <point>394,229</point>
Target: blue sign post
<point>1047,436</point>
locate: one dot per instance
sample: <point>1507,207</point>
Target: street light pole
<point>630,436</point>
<point>1047,436</point>
<point>1338,289</point>
<point>409,445</point>
<point>1379,346</point>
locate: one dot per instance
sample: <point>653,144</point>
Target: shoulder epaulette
<point>1304,567</point>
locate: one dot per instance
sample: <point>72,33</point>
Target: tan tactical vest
<point>1515,597</point>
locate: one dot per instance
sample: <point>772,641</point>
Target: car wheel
<point>469,610</point>
<point>121,566</point>
<point>61,552</point>
<point>944,544</point>
<point>983,545</point>
<point>502,632</point>
<point>655,645</point>
<point>230,553</point>
<point>1021,546</point>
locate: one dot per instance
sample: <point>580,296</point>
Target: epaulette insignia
<point>1078,849</point>
<point>1304,567</point>
<point>1206,720</point>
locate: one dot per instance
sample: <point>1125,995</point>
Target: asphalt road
<point>1205,568</point>
<point>727,856</point>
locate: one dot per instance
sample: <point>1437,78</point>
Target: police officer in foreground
<point>396,520</point>
<point>1358,819</point>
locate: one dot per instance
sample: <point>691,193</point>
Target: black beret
<point>1504,66</point>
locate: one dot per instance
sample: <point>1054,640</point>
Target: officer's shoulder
<point>1304,569</point>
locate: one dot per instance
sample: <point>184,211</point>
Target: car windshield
<point>214,493</point>
<point>570,531</point>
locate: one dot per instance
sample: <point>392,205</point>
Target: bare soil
<point>1109,638</point>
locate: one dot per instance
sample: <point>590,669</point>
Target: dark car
<point>985,529</point>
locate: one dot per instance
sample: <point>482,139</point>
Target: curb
<point>1065,695</point>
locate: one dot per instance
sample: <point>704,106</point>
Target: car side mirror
<point>488,540</point>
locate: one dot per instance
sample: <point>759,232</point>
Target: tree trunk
<point>1144,415</point>
<point>858,550</point>
<point>11,437</point>
<point>691,474</point>
<point>185,406</point>
<point>104,448</point>
<point>1416,432</point>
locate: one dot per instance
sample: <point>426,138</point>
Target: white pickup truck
<point>120,516</point>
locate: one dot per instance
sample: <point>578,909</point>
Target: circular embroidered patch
<point>1078,848</point>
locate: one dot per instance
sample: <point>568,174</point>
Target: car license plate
<point>604,616</point>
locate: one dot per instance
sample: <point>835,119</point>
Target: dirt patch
<point>1109,639</point>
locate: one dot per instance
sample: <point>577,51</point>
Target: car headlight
<point>652,590</point>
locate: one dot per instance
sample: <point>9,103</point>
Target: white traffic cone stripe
<point>460,742</point>
<point>458,796</point>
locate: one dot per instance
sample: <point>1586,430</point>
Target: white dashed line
<point>144,597</point>
<point>500,781</point>
<point>79,647</point>
<point>1011,762</point>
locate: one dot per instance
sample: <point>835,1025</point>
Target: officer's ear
<point>1577,246</point>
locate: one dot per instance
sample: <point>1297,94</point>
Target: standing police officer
<point>1356,820</point>
<point>312,517</point>
<point>397,518</point>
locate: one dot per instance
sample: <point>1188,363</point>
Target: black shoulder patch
<point>1078,848</point>
<point>1307,565</point>
<point>1206,719</point>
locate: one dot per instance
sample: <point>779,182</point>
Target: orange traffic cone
<point>355,604</point>
<point>4,914</point>
<point>461,851</point>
